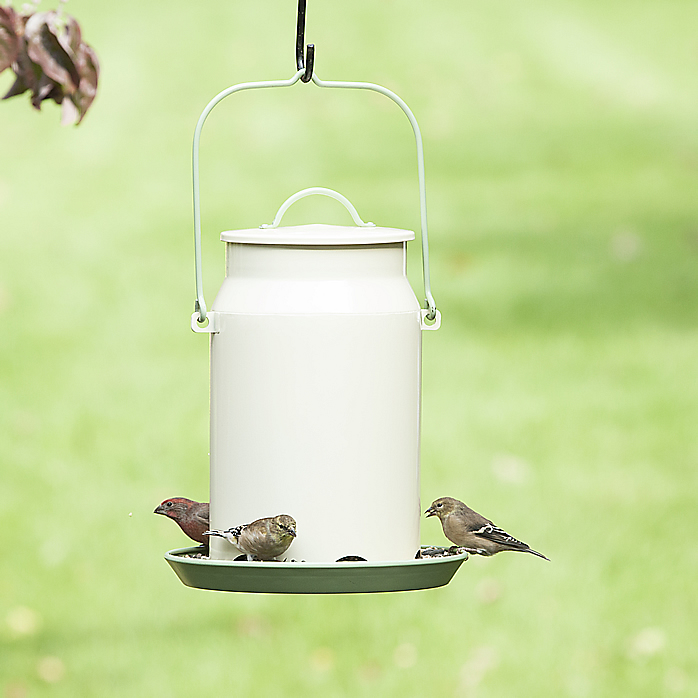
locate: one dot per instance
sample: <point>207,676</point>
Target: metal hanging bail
<point>309,61</point>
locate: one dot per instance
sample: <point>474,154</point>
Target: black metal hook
<point>309,60</point>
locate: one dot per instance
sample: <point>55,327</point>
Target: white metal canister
<point>315,390</point>
<point>315,374</point>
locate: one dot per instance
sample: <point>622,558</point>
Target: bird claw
<point>432,551</point>
<point>459,550</point>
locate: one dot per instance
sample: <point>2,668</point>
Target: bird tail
<point>535,552</point>
<point>213,533</point>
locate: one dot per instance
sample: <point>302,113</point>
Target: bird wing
<point>469,518</point>
<point>235,531</point>
<point>202,517</point>
<point>498,535</point>
<point>256,539</point>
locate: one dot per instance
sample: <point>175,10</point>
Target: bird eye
<point>439,505</point>
<point>169,504</point>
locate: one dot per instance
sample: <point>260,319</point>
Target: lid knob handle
<point>317,190</point>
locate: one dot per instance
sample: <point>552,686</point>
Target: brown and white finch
<point>263,539</point>
<point>191,516</point>
<point>468,529</point>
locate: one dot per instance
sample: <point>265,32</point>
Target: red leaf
<point>46,89</point>
<point>70,36</point>
<point>9,41</point>
<point>27,74</point>
<point>88,66</point>
<point>50,60</point>
<point>46,50</point>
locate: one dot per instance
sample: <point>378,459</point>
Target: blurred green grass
<point>560,395</point>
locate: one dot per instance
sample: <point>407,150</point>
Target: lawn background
<point>560,395</point>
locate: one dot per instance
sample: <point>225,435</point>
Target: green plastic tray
<point>312,578</point>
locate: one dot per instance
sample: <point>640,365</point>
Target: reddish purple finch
<point>191,516</point>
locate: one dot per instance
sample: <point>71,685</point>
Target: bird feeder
<point>315,393</point>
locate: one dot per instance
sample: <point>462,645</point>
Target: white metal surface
<point>315,397</point>
<point>317,234</point>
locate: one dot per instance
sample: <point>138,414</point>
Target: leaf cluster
<point>46,52</point>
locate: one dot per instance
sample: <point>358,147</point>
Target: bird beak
<point>213,533</point>
<point>292,532</point>
<point>430,512</point>
<point>159,509</point>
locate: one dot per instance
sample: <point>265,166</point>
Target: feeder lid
<point>318,234</point>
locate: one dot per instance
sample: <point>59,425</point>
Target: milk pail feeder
<point>315,350</point>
